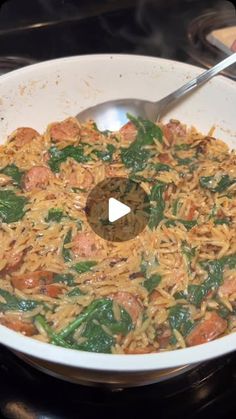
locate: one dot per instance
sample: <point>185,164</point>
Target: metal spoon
<point>112,115</point>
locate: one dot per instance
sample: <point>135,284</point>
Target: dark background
<point>44,29</point>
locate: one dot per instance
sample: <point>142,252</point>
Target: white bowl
<point>42,93</point>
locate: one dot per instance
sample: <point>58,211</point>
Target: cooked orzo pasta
<point>172,286</point>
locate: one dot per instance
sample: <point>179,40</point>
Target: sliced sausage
<point>228,287</point>
<point>174,129</point>
<point>191,212</point>
<point>167,195</point>
<point>164,158</point>
<point>129,302</point>
<point>37,177</point>
<point>168,134</point>
<point>164,338</point>
<point>18,325</point>
<point>32,280</point>
<point>84,245</point>
<point>23,136</point>
<point>52,290</point>
<point>80,178</point>
<point>207,330</point>
<point>66,130</point>
<point>154,296</point>
<point>128,132</point>
<point>14,260</point>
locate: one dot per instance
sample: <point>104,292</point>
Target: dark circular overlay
<point>127,192</point>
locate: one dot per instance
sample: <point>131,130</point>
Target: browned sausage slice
<point>174,129</point>
<point>80,178</point>
<point>84,245</point>
<point>164,158</point>
<point>18,325</point>
<point>23,135</point>
<point>129,302</point>
<point>37,177</point>
<point>32,279</point>
<point>128,131</point>
<point>65,130</point>
<point>228,287</point>
<point>14,260</point>
<point>207,330</point>
<point>52,290</point>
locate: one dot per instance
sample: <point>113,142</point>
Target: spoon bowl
<point>112,115</point>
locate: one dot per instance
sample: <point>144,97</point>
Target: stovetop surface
<point>46,29</point>
<point>207,390</point>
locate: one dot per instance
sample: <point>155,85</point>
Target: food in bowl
<point>172,286</point>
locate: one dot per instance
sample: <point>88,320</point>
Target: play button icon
<point>117,209</point>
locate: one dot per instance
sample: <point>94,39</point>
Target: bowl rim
<point>116,362</point>
<point>104,56</point>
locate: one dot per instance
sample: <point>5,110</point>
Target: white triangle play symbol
<point>116,210</point>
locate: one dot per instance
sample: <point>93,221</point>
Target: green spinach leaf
<point>179,295</point>
<point>214,184</point>
<point>182,146</point>
<point>75,292</point>
<point>13,171</point>
<point>102,311</point>
<point>106,155</point>
<point>96,338</point>
<point>179,319</point>
<point>223,311</point>
<point>98,314</point>
<point>184,162</point>
<point>213,212</point>
<point>41,323</point>
<point>82,267</point>
<point>229,261</point>
<point>175,206</point>
<point>66,253</point>
<point>14,303</point>
<point>139,178</point>
<point>214,269</point>
<point>157,207</point>
<point>161,167</point>
<point>59,156</point>
<point>220,221</point>
<point>188,251</point>
<point>151,282</point>
<point>147,131</point>
<point>197,293</point>
<point>136,156</point>
<point>55,214</point>
<point>65,278</point>
<point>186,223</point>
<point>11,206</point>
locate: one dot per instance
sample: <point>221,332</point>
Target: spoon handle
<point>198,81</point>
